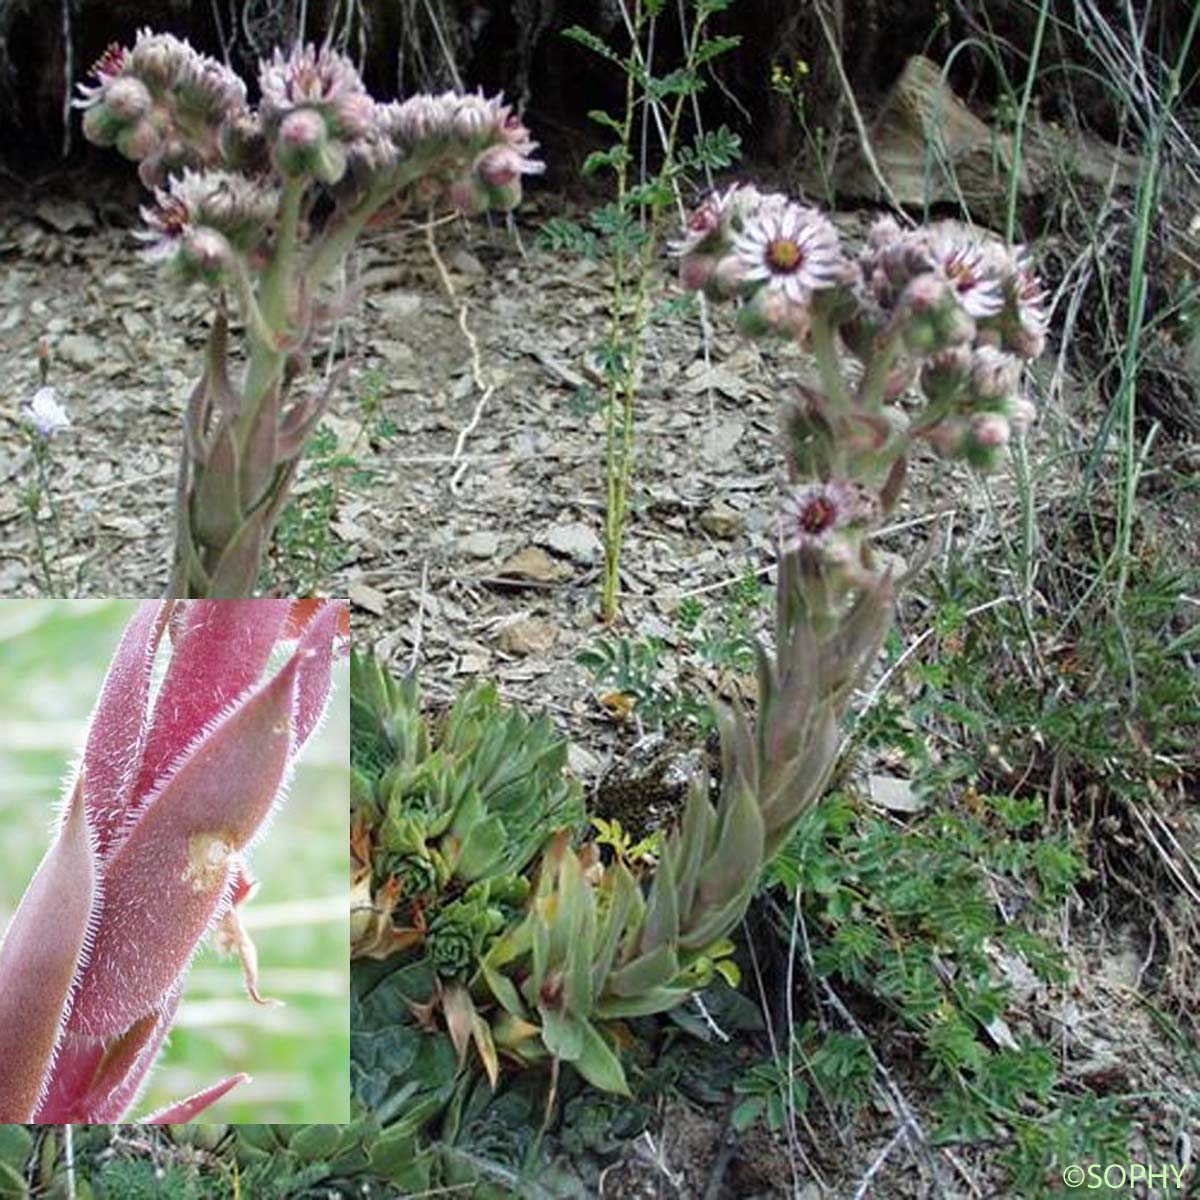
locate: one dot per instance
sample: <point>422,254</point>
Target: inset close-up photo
<point>173,783</point>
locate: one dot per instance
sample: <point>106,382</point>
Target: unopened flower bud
<point>924,298</point>
<point>770,311</point>
<point>205,254</point>
<point>944,375</point>
<point>994,376</point>
<point>728,278</point>
<point>948,437</point>
<point>504,198</point>
<point>932,318</point>
<point>300,139</point>
<point>139,141</point>
<point>329,165</point>
<point>1021,414</point>
<point>127,99</point>
<point>695,271</point>
<point>354,115</point>
<point>302,130</point>
<point>157,58</point>
<point>101,127</point>
<point>990,430</point>
<point>151,171</point>
<point>1028,343</point>
<point>242,143</point>
<point>468,196</point>
<point>498,165</point>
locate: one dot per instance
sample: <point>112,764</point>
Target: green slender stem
<point>278,274</point>
<point>828,366</point>
<point>629,328</point>
<point>337,240</point>
<point>875,377</point>
<point>1148,190</point>
<point>39,458</point>
<point>616,463</point>
<point>251,311</point>
<point>266,354</point>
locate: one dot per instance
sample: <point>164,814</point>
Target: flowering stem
<point>39,457</point>
<point>874,380</point>
<point>278,274</point>
<point>265,356</point>
<point>828,365</point>
<point>338,240</point>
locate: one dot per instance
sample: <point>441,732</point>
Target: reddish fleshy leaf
<point>220,650</point>
<point>304,611</point>
<point>170,878</point>
<point>95,1081</point>
<point>312,693</point>
<point>122,1098</point>
<point>184,1110</point>
<point>117,731</point>
<point>39,958</point>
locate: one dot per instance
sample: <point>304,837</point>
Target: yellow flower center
<point>783,255</point>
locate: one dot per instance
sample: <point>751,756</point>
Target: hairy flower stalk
<point>149,857</point>
<point>939,310</point>
<point>234,191</point>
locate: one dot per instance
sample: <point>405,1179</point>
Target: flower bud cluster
<point>161,103</point>
<point>482,148</point>
<point>315,111</point>
<point>969,311</point>
<point>202,218</point>
<point>944,309</point>
<point>952,287</point>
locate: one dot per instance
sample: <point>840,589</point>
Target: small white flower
<point>790,248</point>
<point>45,413</point>
<point>974,268</point>
<point>811,514</point>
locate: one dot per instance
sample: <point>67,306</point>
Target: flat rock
<point>465,263</point>
<point>530,635</point>
<point>79,349</point>
<point>398,304</point>
<point>720,438</point>
<point>65,215</point>
<point>483,543</point>
<point>365,597</point>
<point>895,794</point>
<point>721,521</point>
<point>576,541</point>
<point>533,563</point>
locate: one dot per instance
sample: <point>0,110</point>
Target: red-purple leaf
<point>184,1110</point>
<point>117,731</point>
<point>171,877</point>
<point>316,669</point>
<point>39,958</point>
<point>220,650</point>
<point>94,1080</point>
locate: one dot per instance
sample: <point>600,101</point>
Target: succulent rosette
<point>150,854</point>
